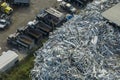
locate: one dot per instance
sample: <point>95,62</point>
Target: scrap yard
<point>69,39</point>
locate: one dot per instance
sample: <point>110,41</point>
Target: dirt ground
<point>20,18</point>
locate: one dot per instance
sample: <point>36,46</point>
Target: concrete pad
<point>113,14</point>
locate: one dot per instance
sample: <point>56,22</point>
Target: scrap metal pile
<point>85,48</point>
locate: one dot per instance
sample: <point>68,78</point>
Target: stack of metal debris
<point>85,48</point>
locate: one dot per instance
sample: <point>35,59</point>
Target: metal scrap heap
<point>85,48</point>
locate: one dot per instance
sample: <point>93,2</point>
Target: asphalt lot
<point>20,17</point>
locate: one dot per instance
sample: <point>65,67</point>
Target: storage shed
<point>7,60</point>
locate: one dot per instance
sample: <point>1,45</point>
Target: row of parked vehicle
<point>71,5</point>
<point>6,10</point>
<point>31,35</point>
<point>65,5</point>
<point>45,22</point>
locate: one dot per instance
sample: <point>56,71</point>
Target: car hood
<point>2,26</point>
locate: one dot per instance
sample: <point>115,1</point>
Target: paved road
<point>20,18</point>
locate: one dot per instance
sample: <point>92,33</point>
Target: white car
<point>68,7</point>
<point>4,23</point>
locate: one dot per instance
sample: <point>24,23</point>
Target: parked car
<point>4,23</point>
<point>68,7</point>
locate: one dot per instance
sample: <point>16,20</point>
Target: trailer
<point>44,27</point>
<point>7,60</point>
<point>40,26</point>
<point>54,18</point>
<point>19,41</point>
<point>51,17</point>
<point>31,32</point>
<point>34,33</point>
<point>25,40</point>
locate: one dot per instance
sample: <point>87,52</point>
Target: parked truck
<point>21,41</point>
<point>51,17</point>
<point>5,8</point>
<point>32,33</point>
<point>20,2</point>
<point>40,26</point>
